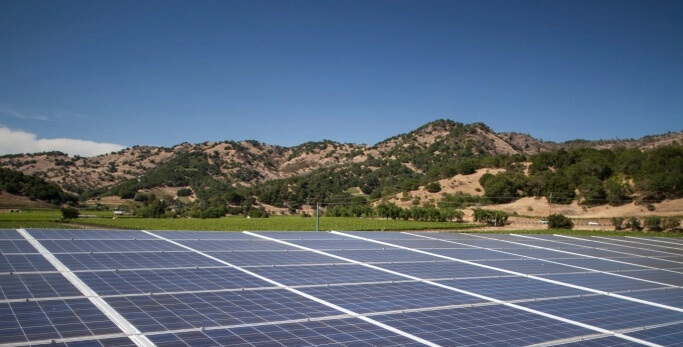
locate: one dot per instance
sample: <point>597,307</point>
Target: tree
<point>69,212</point>
<point>184,192</point>
<point>490,217</point>
<point>559,221</point>
<point>618,223</point>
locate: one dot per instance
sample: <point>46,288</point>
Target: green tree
<point>69,212</point>
<point>559,221</point>
<point>618,223</point>
<point>634,224</point>
<point>433,187</point>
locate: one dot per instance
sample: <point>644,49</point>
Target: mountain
<point>435,151</point>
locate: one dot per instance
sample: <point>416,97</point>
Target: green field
<point>102,219</point>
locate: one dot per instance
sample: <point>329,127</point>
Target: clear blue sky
<point>286,72</point>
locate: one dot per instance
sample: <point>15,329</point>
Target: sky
<point>88,77</point>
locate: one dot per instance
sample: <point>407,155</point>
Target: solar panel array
<point>184,288</point>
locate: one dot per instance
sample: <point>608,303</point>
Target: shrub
<point>433,187</point>
<point>671,223</point>
<point>653,223</point>
<point>650,207</point>
<point>69,212</point>
<point>258,214</point>
<point>490,217</point>
<point>184,192</point>
<point>634,224</point>
<point>618,223</point>
<point>559,221</point>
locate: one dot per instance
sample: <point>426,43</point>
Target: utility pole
<point>317,216</point>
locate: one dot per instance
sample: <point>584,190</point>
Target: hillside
<point>453,154</point>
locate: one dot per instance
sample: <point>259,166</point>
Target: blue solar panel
<point>671,296</point>
<point>177,280</point>
<point>384,297</point>
<point>604,282</point>
<point>513,288</point>
<point>441,269</point>
<point>45,285</point>
<point>51,234</point>
<point>655,263</point>
<point>202,235</point>
<point>144,260</point>
<point>475,254</point>
<point>609,341</point>
<point>24,263</point>
<point>72,246</point>
<point>339,244</point>
<point>104,342</point>
<point>52,319</point>
<point>607,312</point>
<point>530,266</point>
<point>9,234</point>
<point>600,264</point>
<point>301,235</point>
<point>324,274</point>
<point>16,246</point>
<point>234,245</point>
<point>672,278</point>
<point>183,311</point>
<point>671,335</point>
<point>257,258</point>
<point>485,325</point>
<point>335,332</point>
<point>388,255</point>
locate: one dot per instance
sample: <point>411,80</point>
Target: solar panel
<point>670,335</point>
<point>24,263</point>
<point>343,332</point>
<point>32,286</point>
<point>483,325</point>
<point>607,312</point>
<point>262,288</point>
<point>44,320</point>
<point>175,280</point>
<point>381,297</point>
<point>213,309</point>
<point>103,342</point>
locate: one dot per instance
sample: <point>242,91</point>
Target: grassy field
<point>102,219</point>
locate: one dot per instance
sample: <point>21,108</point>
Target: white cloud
<point>22,115</point>
<point>17,141</point>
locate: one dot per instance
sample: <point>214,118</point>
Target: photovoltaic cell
<point>655,263</point>
<point>53,319</point>
<point>530,266</point>
<point>234,245</point>
<point>388,255</point>
<point>513,288</point>
<point>606,312</point>
<point>10,234</point>
<point>672,278</point>
<point>324,274</point>
<point>671,297</point>
<point>183,311</point>
<point>600,264</point>
<point>475,254</point>
<point>384,297</point>
<point>202,235</point>
<point>46,285</point>
<point>104,342</point>
<point>16,246</point>
<point>177,280</point>
<point>339,244</point>
<point>257,258</point>
<point>671,335</point>
<point>334,332</point>
<point>609,341</point>
<point>52,234</point>
<point>482,326</point>
<point>301,235</point>
<point>448,269</point>
<point>145,260</point>
<point>24,263</point>
<point>71,246</point>
<point>602,281</point>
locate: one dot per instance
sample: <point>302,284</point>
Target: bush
<point>618,223</point>
<point>69,212</point>
<point>490,217</point>
<point>258,214</point>
<point>559,221</point>
<point>433,187</point>
<point>671,223</point>
<point>184,192</point>
<point>634,224</point>
<point>650,207</point>
<point>653,223</point>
